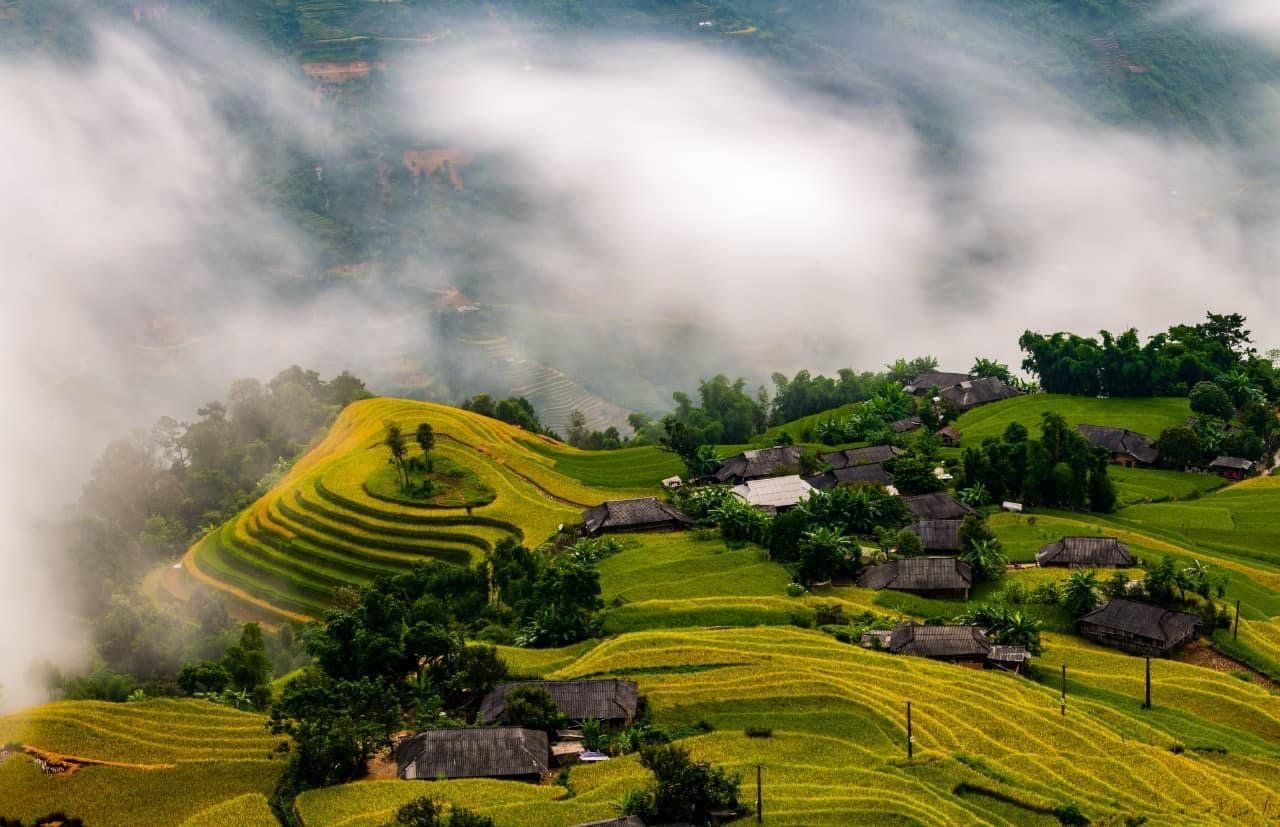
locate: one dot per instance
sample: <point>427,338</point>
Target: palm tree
<point>1080,593</point>
<point>822,551</point>
<point>1019,629</point>
<point>975,495</point>
<point>986,557</point>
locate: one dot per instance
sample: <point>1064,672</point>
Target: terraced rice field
<point>1145,485</point>
<point>1145,416</point>
<point>990,748</point>
<point>323,527</point>
<point>151,763</point>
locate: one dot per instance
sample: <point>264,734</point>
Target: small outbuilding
<point>1086,553</point>
<point>765,462</point>
<point>936,506</point>
<point>774,494</point>
<point>1234,468</point>
<point>907,425</point>
<point>941,380</point>
<point>611,701</point>
<point>944,578</point>
<point>1139,628</point>
<point>474,752</point>
<point>939,535</point>
<point>950,436</point>
<point>643,514</point>
<point>1126,448</point>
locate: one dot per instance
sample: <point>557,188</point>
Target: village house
<point>621,821</point>
<point>474,752</point>
<point>1139,628</point>
<point>765,462</point>
<point>1086,552</point>
<point>612,702</point>
<point>944,578</point>
<point>939,535</point>
<point>873,474</point>
<point>853,457</point>
<point>1126,448</point>
<point>949,436</point>
<point>936,506</point>
<point>643,514</point>
<point>964,645</point>
<point>774,494</point>
<point>960,390</point>
<point>906,426</point>
<point>1234,468</point>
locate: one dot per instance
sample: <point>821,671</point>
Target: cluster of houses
<point>1133,450</point>
<point>495,749</point>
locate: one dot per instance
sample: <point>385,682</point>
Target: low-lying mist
<point>146,261</point>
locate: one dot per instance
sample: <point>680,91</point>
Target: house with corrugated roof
<point>1086,552</point>
<point>1125,447</point>
<point>944,578</point>
<point>758,464</point>
<point>611,701</point>
<point>474,752</point>
<point>774,494</point>
<point>1139,628</point>
<point>642,514</point>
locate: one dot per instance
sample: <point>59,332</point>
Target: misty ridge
<point>789,221</point>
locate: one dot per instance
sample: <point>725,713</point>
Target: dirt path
<point>1202,654</point>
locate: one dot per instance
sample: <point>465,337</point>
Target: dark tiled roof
<point>936,379</point>
<point>766,462</point>
<point>1121,441</point>
<point>937,506</point>
<point>1233,463</point>
<point>605,700</point>
<point>938,535</point>
<point>872,455</point>
<point>939,641</point>
<point>1144,620</point>
<point>623,514</point>
<point>473,752</point>
<point>902,426</point>
<point>1085,551</point>
<point>977,392</point>
<point>920,574</point>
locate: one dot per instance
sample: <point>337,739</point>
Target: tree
<point>1179,447</point>
<point>739,520</point>
<point>913,474</point>
<point>425,436</point>
<point>991,369</point>
<point>394,440</point>
<point>248,664</point>
<point>684,790</point>
<point>427,812</point>
<point>533,708</point>
<point>825,551</point>
<point>986,558</point>
<point>1080,593</point>
<point>204,677</point>
<point>1209,399</point>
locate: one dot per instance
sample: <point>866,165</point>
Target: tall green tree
<point>425,436</point>
<point>395,442</point>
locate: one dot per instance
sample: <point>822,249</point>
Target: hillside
<point>329,522</point>
<point>139,764</point>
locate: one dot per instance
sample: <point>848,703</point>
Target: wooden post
<point>1064,690</point>
<point>910,739</point>
<point>1235,628</point>
<point>1147,704</point>
<point>759,798</point>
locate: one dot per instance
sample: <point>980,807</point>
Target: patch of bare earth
<point>1203,655</point>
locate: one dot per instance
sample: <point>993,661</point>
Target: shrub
<point>684,790</point>
<point>759,732</point>
<point>1070,815</point>
<point>796,590</point>
<point>427,812</point>
<point>909,543</point>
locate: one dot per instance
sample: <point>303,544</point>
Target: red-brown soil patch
<point>1202,654</point>
<point>341,72</point>
<point>426,161</point>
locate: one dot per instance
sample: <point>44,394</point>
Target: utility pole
<point>759,798</point>
<point>1235,629</point>
<point>1147,705</point>
<point>910,739</point>
<point>1064,690</point>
